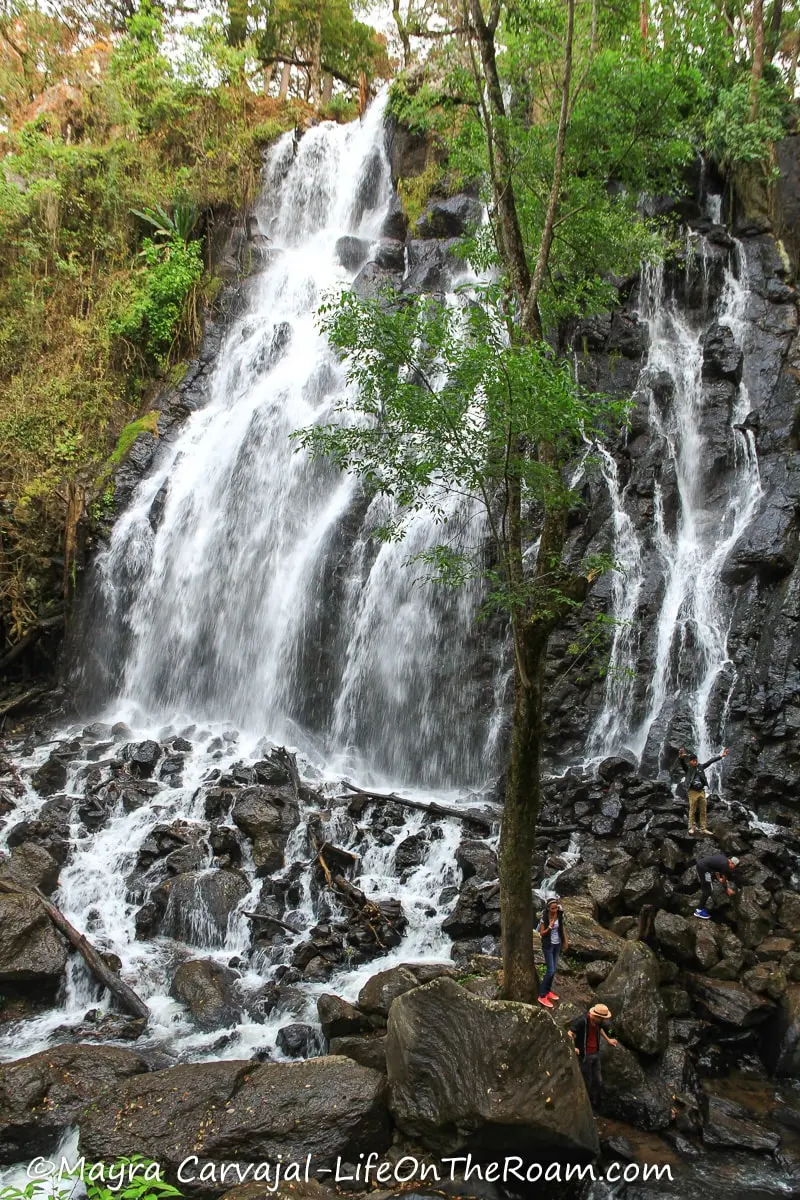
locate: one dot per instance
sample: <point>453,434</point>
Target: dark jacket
<point>715,864</point>
<point>695,776</point>
<point>547,937</point>
<point>580,1029</point>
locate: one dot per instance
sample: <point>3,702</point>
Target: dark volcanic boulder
<point>477,910</point>
<point>628,1095</point>
<point>298,1040</point>
<point>142,758</point>
<point>490,1075</point>
<point>209,992</point>
<point>338,1018</point>
<point>51,777</point>
<point>631,991</point>
<point>782,1037</point>
<point>379,993</point>
<point>372,281</point>
<point>351,251</point>
<point>477,858</point>
<point>31,950</point>
<point>49,828</point>
<point>675,935</point>
<point>327,1107</point>
<point>267,815</point>
<point>368,1050</point>
<point>729,1002</point>
<point>588,939</point>
<point>722,358</point>
<point>196,907</point>
<point>31,864</point>
<point>42,1095</point>
<point>448,218</point>
<point>728,1124</point>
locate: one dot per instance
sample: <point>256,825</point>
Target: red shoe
<point>544,1002</point>
<point>552,996</point>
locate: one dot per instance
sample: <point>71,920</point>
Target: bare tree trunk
<point>644,22</point>
<point>774,40</point>
<point>530,313</point>
<point>327,88</point>
<point>758,52</point>
<point>531,628</point>
<point>315,67</point>
<point>405,40</point>
<point>286,75</point>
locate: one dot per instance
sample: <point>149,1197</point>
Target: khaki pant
<point>697,800</point>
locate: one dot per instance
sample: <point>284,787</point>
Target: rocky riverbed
<point>419,1055</point>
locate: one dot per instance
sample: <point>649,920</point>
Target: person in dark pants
<point>553,933</point>
<point>586,1032</point>
<point>714,867</point>
<point>696,784</point>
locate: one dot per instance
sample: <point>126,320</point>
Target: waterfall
<point>690,662</point>
<point>255,609</point>
<point>261,597</point>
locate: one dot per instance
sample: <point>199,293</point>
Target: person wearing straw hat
<point>586,1032</point>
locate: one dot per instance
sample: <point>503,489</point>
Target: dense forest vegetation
<point>131,131</point>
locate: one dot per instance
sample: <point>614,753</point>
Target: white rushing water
<point>261,598</point>
<point>259,611</point>
<point>690,655</point>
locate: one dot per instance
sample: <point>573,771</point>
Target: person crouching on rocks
<point>586,1032</point>
<point>554,939</point>
<point>696,784</point>
<point>714,867</point>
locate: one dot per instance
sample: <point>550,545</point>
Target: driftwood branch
<point>486,820</point>
<point>254,916</point>
<point>18,701</point>
<point>100,969</point>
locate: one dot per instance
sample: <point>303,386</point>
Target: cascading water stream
<point>244,603</point>
<point>690,657</point>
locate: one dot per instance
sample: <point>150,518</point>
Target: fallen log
<point>100,969</point>
<point>17,702</point>
<point>470,815</point>
<point>254,916</point>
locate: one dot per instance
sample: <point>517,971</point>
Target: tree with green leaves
<point>474,399</point>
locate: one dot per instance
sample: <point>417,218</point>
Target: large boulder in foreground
<point>42,1095</point>
<point>234,1111</point>
<point>31,950</point>
<point>631,991</point>
<point>489,1075</point>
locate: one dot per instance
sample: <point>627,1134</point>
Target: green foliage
<point>146,424</point>
<point>127,141</point>
<point>442,404</point>
<point>160,311</point>
<point>734,134</point>
<point>178,224</point>
<point>131,1178</point>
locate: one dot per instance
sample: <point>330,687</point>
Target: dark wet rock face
<point>209,992</point>
<point>32,952</point>
<point>326,1107</point>
<point>460,1075</point>
<point>43,1095</point>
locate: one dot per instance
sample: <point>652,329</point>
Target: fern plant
<point>179,223</point>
